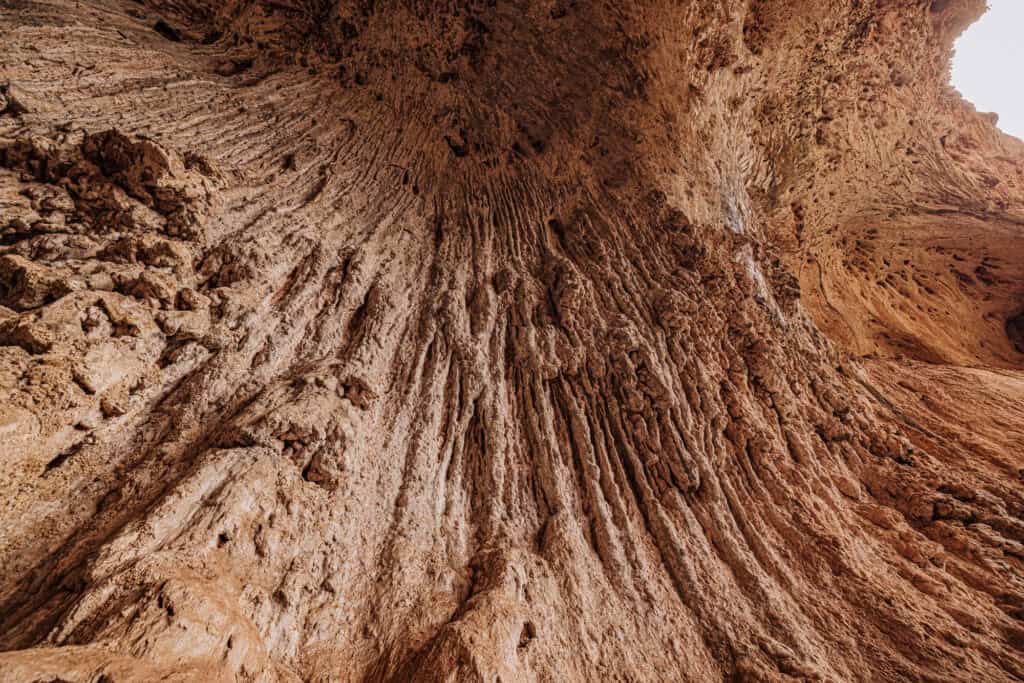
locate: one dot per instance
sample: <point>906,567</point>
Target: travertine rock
<point>474,341</point>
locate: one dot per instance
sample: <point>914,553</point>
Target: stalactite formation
<point>506,340</point>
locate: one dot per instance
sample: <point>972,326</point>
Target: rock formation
<point>506,340</point>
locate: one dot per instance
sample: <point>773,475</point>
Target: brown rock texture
<point>506,340</point>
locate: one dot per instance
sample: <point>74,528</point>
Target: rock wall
<point>502,340</point>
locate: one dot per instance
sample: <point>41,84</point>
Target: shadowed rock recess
<point>506,340</point>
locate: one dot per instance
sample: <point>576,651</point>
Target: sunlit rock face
<point>478,341</point>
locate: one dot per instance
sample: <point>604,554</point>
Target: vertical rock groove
<point>506,340</point>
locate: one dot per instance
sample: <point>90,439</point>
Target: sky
<point>988,67</point>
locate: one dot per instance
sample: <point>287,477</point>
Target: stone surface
<point>473,341</point>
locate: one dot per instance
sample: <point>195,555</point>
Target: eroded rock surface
<point>473,341</point>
